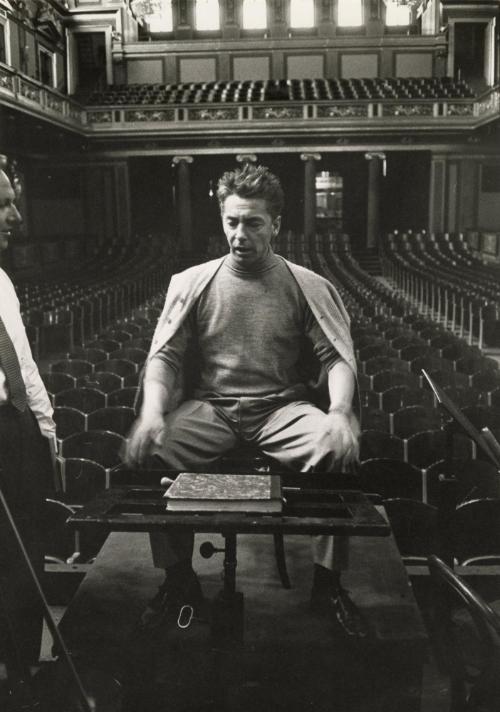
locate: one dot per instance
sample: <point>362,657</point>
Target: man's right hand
<point>145,433</point>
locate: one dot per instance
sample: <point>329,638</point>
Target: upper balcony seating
<point>272,90</point>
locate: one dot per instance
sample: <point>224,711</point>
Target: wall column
<point>376,167</point>
<point>122,200</point>
<point>437,197</point>
<point>183,203</point>
<point>310,195</point>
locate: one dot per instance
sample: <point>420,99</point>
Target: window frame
<point>303,28</point>
<point>162,33</point>
<point>203,31</point>
<point>352,28</point>
<point>4,21</point>
<point>395,27</point>
<point>254,30</point>
<point>42,50</point>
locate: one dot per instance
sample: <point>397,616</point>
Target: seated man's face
<point>249,228</point>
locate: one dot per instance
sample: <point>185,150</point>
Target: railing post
<point>481,327</point>
<point>453,311</point>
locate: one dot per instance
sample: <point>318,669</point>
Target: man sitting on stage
<point>246,317</point>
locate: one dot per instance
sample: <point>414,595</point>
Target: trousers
<point>26,479</point>
<point>199,432</point>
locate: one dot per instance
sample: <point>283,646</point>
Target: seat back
<point>74,367</point>
<point>56,382</point>
<point>120,366</point>
<point>82,480</point>
<point>117,419</point>
<point>466,631</point>
<point>475,530</point>
<point>68,421</point>
<point>101,446</point>
<point>475,479</point>
<point>415,527</point>
<point>102,381</point>
<point>374,443</point>
<point>391,478</point>
<point>414,419</point>
<point>84,399</point>
<point>123,396</point>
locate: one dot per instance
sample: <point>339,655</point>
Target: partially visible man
<point>27,448</point>
<point>247,317</point>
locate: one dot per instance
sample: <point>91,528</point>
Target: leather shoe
<point>335,602</point>
<point>178,600</point>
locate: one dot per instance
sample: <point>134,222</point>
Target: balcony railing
<point>23,92</point>
<point>303,116</point>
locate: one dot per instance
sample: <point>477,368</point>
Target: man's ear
<point>276,225</point>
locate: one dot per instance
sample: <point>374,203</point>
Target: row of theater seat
<point>61,314</point>
<point>442,277</point>
<point>370,89</point>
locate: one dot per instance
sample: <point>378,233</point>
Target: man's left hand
<point>339,434</point>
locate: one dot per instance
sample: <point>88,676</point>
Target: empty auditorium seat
<point>68,420</point>
<point>374,443</point>
<point>415,528</point>
<point>84,399</point>
<point>102,381</point>
<point>101,446</point>
<point>123,396</point>
<point>375,419</point>
<point>475,532</point>
<point>107,345</point>
<point>82,480</point>
<point>383,380</point>
<point>56,382</point>
<point>87,354</point>
<point>414,419</point>
<point>426,447</point>
<point>117,419</point>
<point>136,355</point>
<point>391,478</point>
<point>120,366</point>
<point>73,367</point>
<point>59,541</point>
<point>475,479</point>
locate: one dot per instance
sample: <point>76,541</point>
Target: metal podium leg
<point>227,608</point>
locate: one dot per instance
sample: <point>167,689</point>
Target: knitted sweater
<point>185,288</point>
<point>248,327</point>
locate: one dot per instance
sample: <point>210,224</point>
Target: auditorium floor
<point>293,674</point>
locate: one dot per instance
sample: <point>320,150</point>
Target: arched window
<point>207,15</point>
<point>158,21</point>
<point>301,13</point>
<point>396,14</point>
<point>254,15</point>
<point>350,13</point>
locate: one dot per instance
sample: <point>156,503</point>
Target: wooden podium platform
<point>290,660</point>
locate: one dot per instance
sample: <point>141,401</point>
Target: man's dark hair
<point>252,182</point>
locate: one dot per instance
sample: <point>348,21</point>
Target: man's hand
<point>144,433</point>
<point>340,435</point>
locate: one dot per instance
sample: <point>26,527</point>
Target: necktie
<point>12,369</point>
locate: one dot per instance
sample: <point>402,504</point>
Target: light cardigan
<point>185,288</point>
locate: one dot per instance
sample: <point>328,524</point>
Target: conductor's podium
<point>288,658</point>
